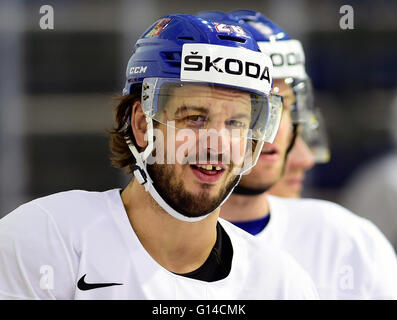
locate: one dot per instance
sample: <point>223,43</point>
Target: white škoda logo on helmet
<point>195,62</point>
<point>232,66</point>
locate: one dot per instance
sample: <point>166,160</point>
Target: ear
<point>139,125</point>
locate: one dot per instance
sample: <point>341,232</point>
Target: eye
<point>196,118</point>
<point>195,121</point>
<point>236,124</point>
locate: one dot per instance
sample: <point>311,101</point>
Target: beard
<point>173,191</point>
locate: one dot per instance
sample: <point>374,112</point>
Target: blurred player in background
<point>346,256</point>
<point>160,237</point>
<point>310,147</point>
<point>372,190</point>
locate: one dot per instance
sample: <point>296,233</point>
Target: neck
<point>176,245</point>
<point>245,207</point>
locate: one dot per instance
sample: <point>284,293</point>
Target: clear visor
<point>236,121</point>
<point>189,105</point>
<point>303,106</point>
<point>314,135</point>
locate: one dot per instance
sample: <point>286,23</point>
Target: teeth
<point>209,167</point>
<point>205,166</point>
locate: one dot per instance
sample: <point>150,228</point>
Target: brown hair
<point>122,157</point>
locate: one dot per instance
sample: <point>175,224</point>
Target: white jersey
<point>346,255</point>
<point>50,244</point>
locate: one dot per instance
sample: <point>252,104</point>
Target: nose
<point>301,156</point>
<point>217,140</point>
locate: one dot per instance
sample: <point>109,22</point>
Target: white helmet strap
<point>142,176</point>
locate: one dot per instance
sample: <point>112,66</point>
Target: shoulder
<point>328,219</point>
<point>361,232</point>
<point>65,216</point>
<point>343,239</point>
<point>262,263</point>
<point>77,206</point>
<point>323,214</point>
<point>73,202</point>
<point>46,232</point>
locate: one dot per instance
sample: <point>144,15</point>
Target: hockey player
<point>346,256</point>
<point>188,82</point>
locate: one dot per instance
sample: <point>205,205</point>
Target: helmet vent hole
<point>231,38</point>
<point>186,38</point>
<point>172,56</point>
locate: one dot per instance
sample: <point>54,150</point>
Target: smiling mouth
<point>208,173</point>
<point>208,168</point>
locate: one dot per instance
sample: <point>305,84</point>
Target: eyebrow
<point>190,108</point>
<point>205,111</point>
<point>242,115</point>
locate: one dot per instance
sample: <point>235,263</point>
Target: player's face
<point>272,159</point>
<point>193,189</point>
<point>299,160</point>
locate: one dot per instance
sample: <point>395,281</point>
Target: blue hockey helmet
<point>158,52</point>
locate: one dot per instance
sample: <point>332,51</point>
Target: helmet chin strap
<point>142,176</point>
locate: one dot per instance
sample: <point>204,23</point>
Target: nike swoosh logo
<point>82,285</point>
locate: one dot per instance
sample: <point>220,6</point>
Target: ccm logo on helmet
<point>140,69</point>
<point>290,59</point>
<point>232,66</point>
